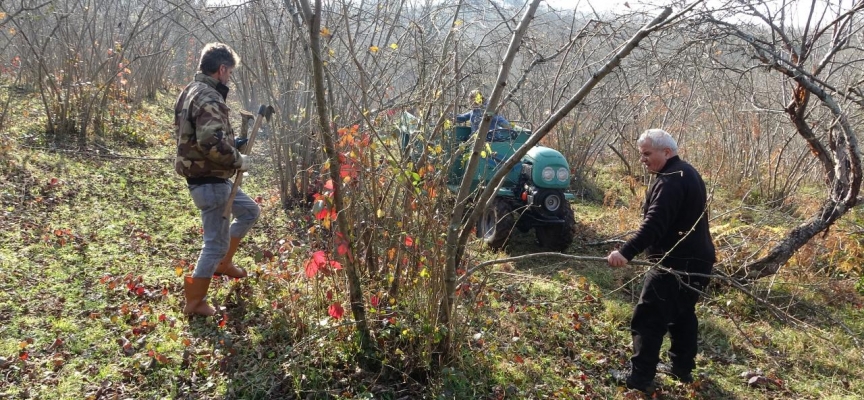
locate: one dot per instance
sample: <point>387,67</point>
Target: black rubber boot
<point>633,381</point>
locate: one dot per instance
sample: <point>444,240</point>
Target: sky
<point>799,8</point>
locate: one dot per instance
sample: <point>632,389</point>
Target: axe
<point>244,126</point>
<point>264,112</point>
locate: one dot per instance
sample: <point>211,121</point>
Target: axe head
<point>266,111</point>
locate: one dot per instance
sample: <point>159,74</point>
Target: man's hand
<point>240,144</point>
<point>245,162</point>
<point>615,259</point>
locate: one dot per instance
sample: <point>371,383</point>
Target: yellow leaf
<point>331,52</point>
<point>373,49</point>
<point>325,32</point>
<point>424,273</point>
<point>326,223</point>
<point>394,46</point>
<point>483,154</point>
<point>2,15</point>
<point>458,22</point>
<point>447,124</point>
<point>380,213</point>
<point>178,271</point>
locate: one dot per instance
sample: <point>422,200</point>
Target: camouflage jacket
<point>205,140</point>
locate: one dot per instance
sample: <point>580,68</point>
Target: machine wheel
<point>558,237</point>
<point>496,224</point>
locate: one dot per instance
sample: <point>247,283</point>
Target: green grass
<point>90,301</point>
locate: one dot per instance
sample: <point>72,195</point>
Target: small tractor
<point>532,195</point>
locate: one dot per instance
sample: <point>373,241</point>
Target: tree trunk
<point>368,357</point>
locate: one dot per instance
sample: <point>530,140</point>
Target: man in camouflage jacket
<point>207,156</point>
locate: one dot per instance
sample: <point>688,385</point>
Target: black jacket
<point>675,212</point>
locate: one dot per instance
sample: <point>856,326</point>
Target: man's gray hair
<point>659,138</point>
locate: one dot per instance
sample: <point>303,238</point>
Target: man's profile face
<point>224,73</point>
<point>652,158</point>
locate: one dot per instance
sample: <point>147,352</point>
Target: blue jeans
<point>211,198</point>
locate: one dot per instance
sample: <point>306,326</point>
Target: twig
<point>607,241</point>
<point>621,156</point>
<point>484,264</point>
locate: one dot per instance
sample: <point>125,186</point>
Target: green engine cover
<point>541,158</point>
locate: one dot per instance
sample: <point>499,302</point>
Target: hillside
<point>94,241</point>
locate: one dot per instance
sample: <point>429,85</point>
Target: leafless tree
<point>817,57</point>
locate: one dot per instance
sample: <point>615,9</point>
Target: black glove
<point>240,144</point>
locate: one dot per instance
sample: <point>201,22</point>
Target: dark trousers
<point>666,305</point>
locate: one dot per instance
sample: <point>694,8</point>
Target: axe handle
<point>238,178</point>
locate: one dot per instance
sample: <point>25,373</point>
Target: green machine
<point>532,195</point>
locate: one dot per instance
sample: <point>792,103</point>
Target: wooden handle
<point>238,177</point>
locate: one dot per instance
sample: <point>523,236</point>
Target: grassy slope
<point>90,299</point>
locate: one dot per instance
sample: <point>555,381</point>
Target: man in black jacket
<point>674,233</point>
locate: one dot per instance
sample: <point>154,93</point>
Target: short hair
<point>216,54</point>
<point>659,139</point>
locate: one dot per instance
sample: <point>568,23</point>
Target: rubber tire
<point>558,237</point>
<point>496,224</point>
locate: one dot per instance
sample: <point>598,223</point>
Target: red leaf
<point>24,355</point>
<point>329,295</point>
<point>348,169</point>
<point>518,359</point>
<point>318,260</point>
<point>336,310</point>
<point>329,185</point>
<point>323,213</point>
<point>409,241</point>
<point>336,265</point>
<point>374,300</point>
<point>320,257</point>
<point>162,317</point>
<point>311,268</point>
<point>223,320</point>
